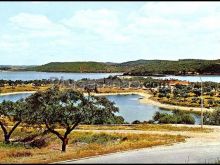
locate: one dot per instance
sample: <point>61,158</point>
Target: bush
<point>101,138</point>
<point>20,154</point>
<point>177,117</point>
<point>167,118</point>
<point>136,122</point>
<point>212,118</point>
<point>39,143</point>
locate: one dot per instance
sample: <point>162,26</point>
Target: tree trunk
<point>7,139</point>
<point>64,143</point>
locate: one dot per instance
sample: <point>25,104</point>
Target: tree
<point>67,109</point>
<point>11,112</point>
<point>212,118</point>
<point>177,117</point>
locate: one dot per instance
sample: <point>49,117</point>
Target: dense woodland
<point>137,68</point>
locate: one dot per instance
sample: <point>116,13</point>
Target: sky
<point>35,33</point>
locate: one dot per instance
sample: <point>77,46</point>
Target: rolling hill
<point>138,67</point>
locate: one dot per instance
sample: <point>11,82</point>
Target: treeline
<point>137,68</point>
<point>78,67</point>
<point>181,67</point>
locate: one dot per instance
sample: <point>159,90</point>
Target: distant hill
<point>81,67</point>
<point>15,67</point>
<point>138,67</point>
<point>180,67</point>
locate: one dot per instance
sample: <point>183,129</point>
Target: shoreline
<point>14,93</point>
<point>145,100</point>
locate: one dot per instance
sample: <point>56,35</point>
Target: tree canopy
<point>66,109</point>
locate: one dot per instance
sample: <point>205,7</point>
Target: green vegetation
<point>181,67</point>
<point>55,109</point>
<point>78,67</point>
<point>188,95</point>
<point>138,68</point>
<point>12,112</point>
<point>178,117</point>
<point>212,118</point>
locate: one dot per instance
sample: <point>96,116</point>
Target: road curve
<point>200,148</point>
<point>170,154</point>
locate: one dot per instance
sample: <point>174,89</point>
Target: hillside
<point>180,67</point>
<point>138,68</point>
<point>80,67</point>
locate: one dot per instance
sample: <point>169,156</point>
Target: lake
<point>129,106</point>
<point>31,75</point>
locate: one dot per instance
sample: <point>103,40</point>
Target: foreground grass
<point>81,144</point>
<point>144,127</point>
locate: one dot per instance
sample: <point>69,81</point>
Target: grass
<point>188,101</point>
<point>81,144</point>
<point>144,127</point>
<point>22,88</point>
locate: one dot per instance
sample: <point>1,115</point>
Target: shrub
<point>212,118</point>
<point>39,143</point>
<point>177,117</point>
<point>136,122</point>
<point>101,138</point>
<point>20,154</point>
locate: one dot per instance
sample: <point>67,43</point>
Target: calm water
<point>129,107</point>
<point>193,78</point>
<point>29,75</point>
<point>47,75</point>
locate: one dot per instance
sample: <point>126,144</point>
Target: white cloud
<point>37,25</point>
<point>31,21</point>
<point>103,22</point>
<point>155,29</point>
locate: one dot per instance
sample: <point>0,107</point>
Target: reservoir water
<point>129,106</point>
<point>29,75</point>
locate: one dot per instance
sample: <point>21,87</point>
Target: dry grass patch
<point>144,127</point>
<point>84,144</point>
<point>23,88</point>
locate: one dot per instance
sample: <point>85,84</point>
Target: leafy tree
<point>177,117</point>
<point>212,118</point>
<point>11,112</point>
<point>67,109</point>
<point>136,122</point>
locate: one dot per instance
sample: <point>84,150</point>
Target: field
<point>81,144</point>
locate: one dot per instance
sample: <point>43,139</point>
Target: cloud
<point>154,29</point>
<point>37,25</point>
<point>103,22</point>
